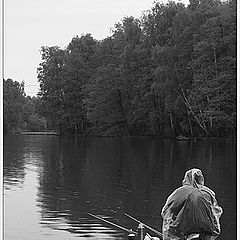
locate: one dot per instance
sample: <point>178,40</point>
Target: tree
<point>105,97</point>
<point>51,79</point>
<point>171,72</point>
<point>13,99</point>
<point>214,63</point>
<point>32,120</point>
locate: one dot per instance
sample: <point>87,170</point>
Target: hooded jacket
<point>191,208</point>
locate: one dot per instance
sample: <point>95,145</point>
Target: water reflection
<point>62,179</point>
<point>13,162</point>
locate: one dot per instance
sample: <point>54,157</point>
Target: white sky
<point>31,24</point>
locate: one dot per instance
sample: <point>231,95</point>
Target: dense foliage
<point>172,72</point>
<point>20,112</point>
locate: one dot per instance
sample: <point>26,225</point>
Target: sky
<point>31,24</point>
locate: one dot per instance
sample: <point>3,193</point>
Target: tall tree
<point>63,77</point>
<point>214,62</point>
<point>80,67</point>
<point>171,72</point>
<point>51,79</point>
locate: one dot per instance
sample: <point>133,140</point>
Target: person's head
<point>193,177</point>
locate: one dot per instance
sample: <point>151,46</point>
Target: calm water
<point>51,183</point>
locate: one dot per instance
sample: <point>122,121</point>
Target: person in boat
<point>191,211</point>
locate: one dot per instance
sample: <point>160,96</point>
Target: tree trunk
<point>60,127</point>
<point>76,129</point>
<point>190,124</point>
<point>211,124</point>
<point>171,122</point>
<point>122,111</point>
<point>188,105</point>
<point>215,58</point>
<point>157,122</point>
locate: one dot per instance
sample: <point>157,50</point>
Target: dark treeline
<point>20,112</point>
<point>172,72</point>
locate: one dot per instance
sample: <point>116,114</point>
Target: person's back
<point>191,209</point>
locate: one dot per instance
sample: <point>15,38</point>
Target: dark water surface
<point>51,183</point>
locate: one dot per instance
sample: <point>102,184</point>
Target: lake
<point>51,183</point>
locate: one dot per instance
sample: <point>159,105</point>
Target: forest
<point>20,112</point>
<point>172,72</point>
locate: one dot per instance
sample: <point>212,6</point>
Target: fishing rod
<point>116,225</point>
<point>150,228</point>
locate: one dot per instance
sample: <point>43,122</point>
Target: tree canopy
<point>172,72</point>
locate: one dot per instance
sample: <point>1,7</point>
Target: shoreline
<point>177,138</point>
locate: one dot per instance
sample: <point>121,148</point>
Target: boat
<point>182,138</point>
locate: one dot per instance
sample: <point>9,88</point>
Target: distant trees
<point>171,72</point>
<point>13,99</point>
<point>19,110</point>
<point>32,117</point>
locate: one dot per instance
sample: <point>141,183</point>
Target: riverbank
<point>51,132</point>
<point>178,138</point>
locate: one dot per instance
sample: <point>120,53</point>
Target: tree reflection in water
<point>110,177</point>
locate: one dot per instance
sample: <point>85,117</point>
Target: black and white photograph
<point>119,120</point>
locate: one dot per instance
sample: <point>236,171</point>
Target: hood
<point>194,177</point>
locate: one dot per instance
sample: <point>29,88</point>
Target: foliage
<point>13,99</point>
<point>172,72</point>
<point>19,110</point>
